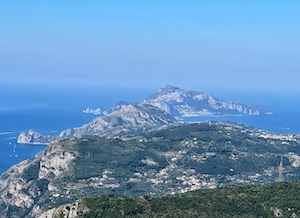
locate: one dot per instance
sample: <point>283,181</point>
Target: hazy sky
<point>240,45</point>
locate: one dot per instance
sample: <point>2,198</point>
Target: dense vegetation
<point>271,200</point>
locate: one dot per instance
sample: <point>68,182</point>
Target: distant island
<point>166,107</point>
<point>182,103</point>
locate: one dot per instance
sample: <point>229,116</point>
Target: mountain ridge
<point>130,119</point>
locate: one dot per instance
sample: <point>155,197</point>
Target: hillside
<point>130,119</point>
<point>270,200</point>
<point>172,160</point>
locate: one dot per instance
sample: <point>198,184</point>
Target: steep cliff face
<point>13,184</point>
<point>33,137</point>
<point>71,210</point>
<point>55,161</point>
<point>182,103</point>
<point>176,159</point>
<point>23,185</point>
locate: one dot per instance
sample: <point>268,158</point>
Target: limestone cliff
<point>33,137</point>
<point>130,119</point>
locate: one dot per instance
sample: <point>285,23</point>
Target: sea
<point>50,110</point>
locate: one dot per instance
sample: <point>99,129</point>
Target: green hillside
<point>270,200</point>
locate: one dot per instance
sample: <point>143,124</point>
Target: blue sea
<point>50,110</point>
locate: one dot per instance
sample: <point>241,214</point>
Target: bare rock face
<point>129,118</point>
<point>71,210</point>
<point>181,103</point>
<point>33,137</point>
<point>54,162</point>
<point>22,186</point>
<point>12,183</point>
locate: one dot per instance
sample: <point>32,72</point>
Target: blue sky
<point>225,45</point>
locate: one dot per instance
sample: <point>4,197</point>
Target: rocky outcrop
<point>55,161</point>
<point>23,185</point>
<point>13,183</point>
<point>96,111</point>
<point>71,210</point>
<point>181,103</point>
<point>33,137</point>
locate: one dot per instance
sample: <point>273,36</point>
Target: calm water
<point>42,120</point>
<point>50,112</point>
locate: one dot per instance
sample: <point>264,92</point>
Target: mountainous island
<point>184,103</point>
<point>181,103</point>
<point>166,107</point>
